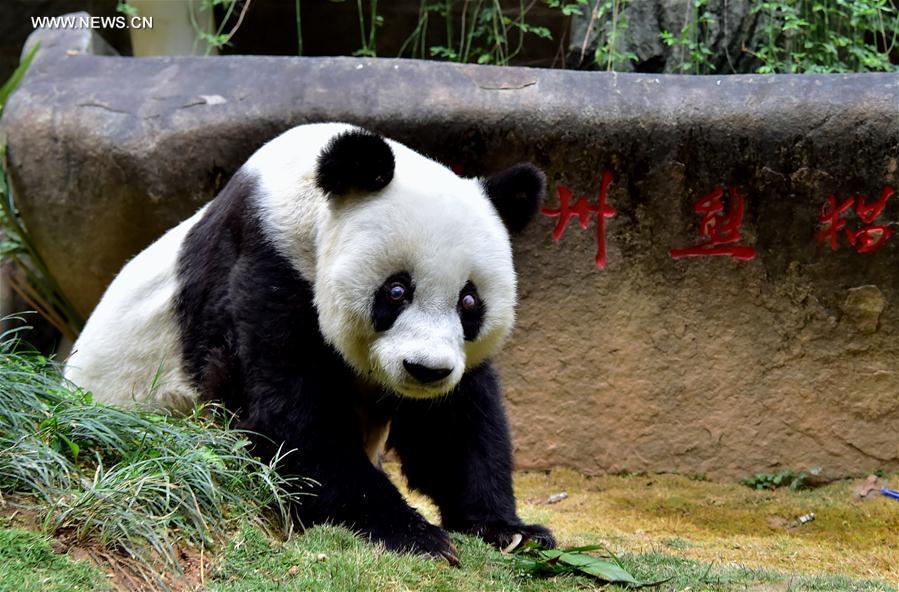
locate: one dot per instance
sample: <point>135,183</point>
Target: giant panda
<point>341,293</point>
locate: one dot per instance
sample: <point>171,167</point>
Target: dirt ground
<point>720,522</point>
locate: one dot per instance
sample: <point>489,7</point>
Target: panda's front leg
<point>360,496</point>
<point>457,451</point>
<point>327,448</point>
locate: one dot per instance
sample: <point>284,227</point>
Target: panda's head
<point>414,279</point>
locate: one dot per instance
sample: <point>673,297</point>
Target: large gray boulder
<point>785,357</point>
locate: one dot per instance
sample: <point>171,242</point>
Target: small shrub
<point>786,478</point>
<point>827,36</point>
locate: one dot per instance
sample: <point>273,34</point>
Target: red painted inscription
<point>582,209</point>
<point>866,239</point>
<point>720,231</point>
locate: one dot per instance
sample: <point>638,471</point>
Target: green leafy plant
<point>826,36</point>
<point>29,275</point>
<point>797,36</point>
<point>536,561</point>
<point>786,478</point>
<point>610,23</point>
<point>487,33</point>
<point>693,40</point>
<point>128,480</point>
<point>568,7</point>
<point>369,33</point>
<point>126,9</point>
<point>217,39</point>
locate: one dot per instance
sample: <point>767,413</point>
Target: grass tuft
<point>134,481</point>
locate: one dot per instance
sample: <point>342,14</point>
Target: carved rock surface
<point>703,365</point>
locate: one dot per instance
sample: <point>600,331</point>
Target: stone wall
<point>703,311</point>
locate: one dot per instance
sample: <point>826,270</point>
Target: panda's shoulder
<point>224,221</point>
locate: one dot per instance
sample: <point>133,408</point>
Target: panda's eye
<point>391,299</point>
<point>471,311</point>
<point>397,292</point>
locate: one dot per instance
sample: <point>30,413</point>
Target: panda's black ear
<point>516,193</point>
<point>356,160</point>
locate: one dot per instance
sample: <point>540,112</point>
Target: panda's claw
<point>436,542</point>
<point>516,540</point>
<point>503,535</point>
<point>423,539</point>
<point>542,536</point>
<point>452,557</point>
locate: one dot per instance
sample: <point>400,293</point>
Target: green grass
<point>29,564</point>
<point>165,493</point>
<point>331,558</point>
<point>135,482</point>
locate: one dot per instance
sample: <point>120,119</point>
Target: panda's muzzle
<point>425,374</point>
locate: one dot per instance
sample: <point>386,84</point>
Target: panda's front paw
<point>503,534</point>
<point>421,538</point>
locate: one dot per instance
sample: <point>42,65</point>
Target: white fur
<point>441,229</point>
<point>429,222</point>
<point>129,352</point>
<point>290,204</point>
<point>444,232</point>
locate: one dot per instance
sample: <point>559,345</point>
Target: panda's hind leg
<point>457,451</point>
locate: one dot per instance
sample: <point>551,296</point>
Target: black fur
<point>516,193</point>
<point>471,320</point>
<point>251,339</point>
<point>355,161</point>
<point>384,311</point>
<point>456,450</point>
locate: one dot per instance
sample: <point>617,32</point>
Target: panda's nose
<point>425,374</point>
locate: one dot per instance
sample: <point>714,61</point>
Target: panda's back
<point>132,350</point>
<point>129,352</point>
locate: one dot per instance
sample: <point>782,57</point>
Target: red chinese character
<point>720,230</point>
<point>832,219</point>
<point>868,213</point>
<point>868,240</point>
<point>865,240</point>
<point>582,209</point>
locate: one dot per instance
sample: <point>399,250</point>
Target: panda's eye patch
<point>471,311</point>
<point>390,299</point>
